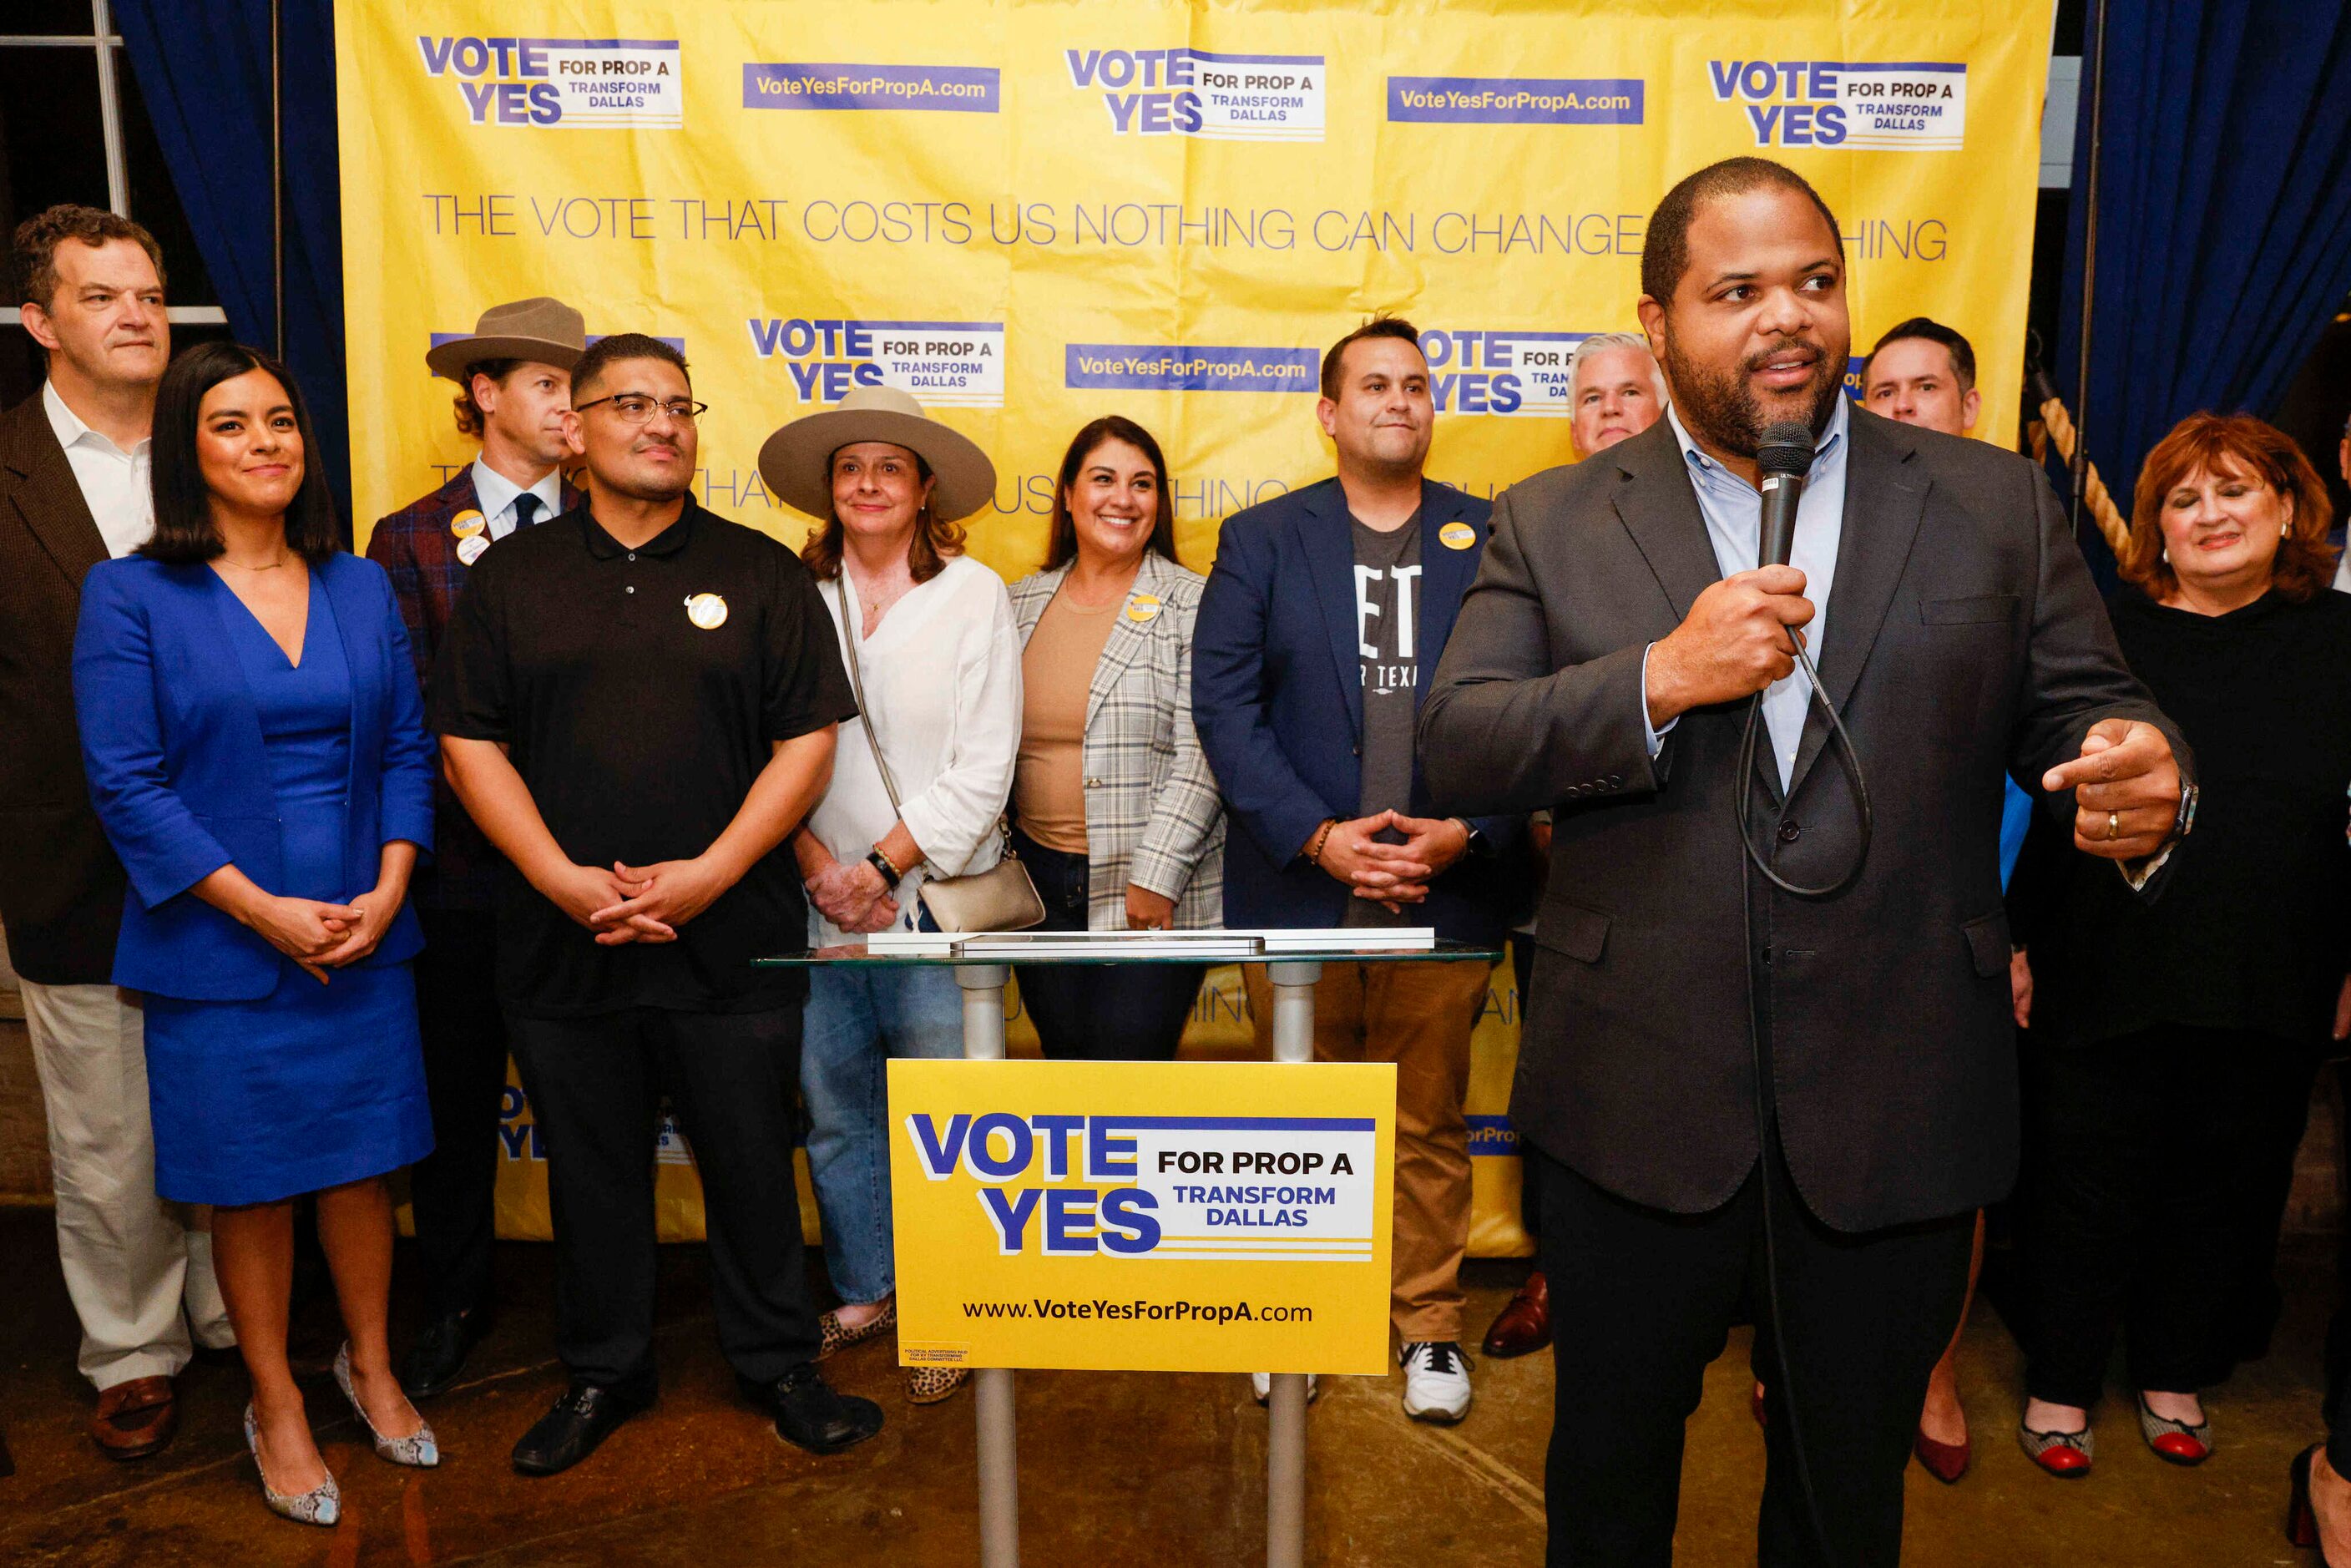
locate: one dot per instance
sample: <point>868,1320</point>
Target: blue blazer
<point>172,739</point>
<point>1278,699</point>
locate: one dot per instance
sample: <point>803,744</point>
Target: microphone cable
<point>1786,451</point>
<point>1863,821</point>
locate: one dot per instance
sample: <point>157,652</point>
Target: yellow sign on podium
<point>1153,1217</point>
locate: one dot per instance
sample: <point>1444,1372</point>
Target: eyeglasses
<point>638,408</point>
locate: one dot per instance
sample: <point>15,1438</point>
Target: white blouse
<point>942,677</point>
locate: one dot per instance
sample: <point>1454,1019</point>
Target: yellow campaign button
<point>467,523</point>
<point>707,610</point>
<point>1143,607</point>
<point>1457,536</point>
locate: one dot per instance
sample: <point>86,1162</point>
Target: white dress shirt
<point>1734,510</point>
<point>497,494</point>
<point>114,483</point>
<point>942,679</point>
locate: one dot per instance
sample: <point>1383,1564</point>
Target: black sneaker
<point>584,1417</point>
<point>438,1359</point>
<point>810,1415</point>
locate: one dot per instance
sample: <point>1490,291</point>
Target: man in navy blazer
<point>515,372</point>
<point>1323,611</point>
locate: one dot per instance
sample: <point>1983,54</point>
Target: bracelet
<point>891,874</point>
<point>1321,837</point>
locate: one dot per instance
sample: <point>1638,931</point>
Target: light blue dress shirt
<point>1734,510</point>
<point>497,494</point>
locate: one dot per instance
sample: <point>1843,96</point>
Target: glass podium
<point>1293,959</point>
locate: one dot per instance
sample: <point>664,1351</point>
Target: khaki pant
<point>130,1260</point>
<point>1418,1016</point>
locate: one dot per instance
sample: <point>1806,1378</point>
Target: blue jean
<point>858,1018</point>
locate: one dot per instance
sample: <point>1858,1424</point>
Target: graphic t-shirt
<point>1387,643</point>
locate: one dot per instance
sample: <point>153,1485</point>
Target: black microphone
<point>1785,456</point>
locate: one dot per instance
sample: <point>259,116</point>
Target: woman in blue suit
<point>252,732</point>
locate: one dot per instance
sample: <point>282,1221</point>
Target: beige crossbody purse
<point>1000,898</point>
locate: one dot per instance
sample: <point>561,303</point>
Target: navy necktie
<point>526,510</point>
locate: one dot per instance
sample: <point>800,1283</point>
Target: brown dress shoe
<point>1524,1326</point>
<point>136,1418</point>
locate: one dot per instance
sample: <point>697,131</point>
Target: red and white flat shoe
<point>2065,1454</point>
<point>2175,1442</point>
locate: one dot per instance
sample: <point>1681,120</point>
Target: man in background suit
<point>1323,610</point>
<point>514,375</point>
<point>1615,392</point>
<point>74,492</point>
<point>1738,1095</point>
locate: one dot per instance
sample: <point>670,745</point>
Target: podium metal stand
<point>982,962</point>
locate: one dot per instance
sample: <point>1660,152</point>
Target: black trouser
<point>2151,1156</point>
<point>731,1077</point>
<point>1642,1300</point>
<point>1097,1012</point>
<point>2337,1408</point>
<point>454,1188</point>
<point>2261,1300</point>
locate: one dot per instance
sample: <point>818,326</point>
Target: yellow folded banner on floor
<point>1156,1216</point>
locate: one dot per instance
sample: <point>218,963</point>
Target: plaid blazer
<point>415,547</point>
<point>1152,815</point>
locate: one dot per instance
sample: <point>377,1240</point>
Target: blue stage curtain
<point>203,71</point>
<point>2224,215</point>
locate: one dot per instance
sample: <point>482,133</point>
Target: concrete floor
<point>1117,1469</point>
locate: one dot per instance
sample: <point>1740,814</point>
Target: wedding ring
<point>2114,823</point>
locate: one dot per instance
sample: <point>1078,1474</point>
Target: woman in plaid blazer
<point>1114,811</point>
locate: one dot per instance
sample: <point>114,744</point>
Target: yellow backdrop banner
<point>1030,212</point>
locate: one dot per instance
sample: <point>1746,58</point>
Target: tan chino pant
<point>1419,1016</point>
<point>129,1260</point>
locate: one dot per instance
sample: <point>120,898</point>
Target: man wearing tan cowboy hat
<point>514,379</point>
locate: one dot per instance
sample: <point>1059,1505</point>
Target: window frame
<point>108,44</point>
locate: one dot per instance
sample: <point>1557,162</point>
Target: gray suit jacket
<point>1966,643</point>
<point>1153,817</point>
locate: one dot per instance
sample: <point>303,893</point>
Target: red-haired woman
<point>2175,1039</point>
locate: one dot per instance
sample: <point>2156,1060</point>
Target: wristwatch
<point>881,862</point>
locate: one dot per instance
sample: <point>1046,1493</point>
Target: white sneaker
<point>1261,1384</point>
<point>1435,1381</point>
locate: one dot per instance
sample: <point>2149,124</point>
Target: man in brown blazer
<point>74,492</point>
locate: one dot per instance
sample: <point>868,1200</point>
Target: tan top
<point>1057,669</point>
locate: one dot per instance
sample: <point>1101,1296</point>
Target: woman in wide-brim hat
<point>932,635</point>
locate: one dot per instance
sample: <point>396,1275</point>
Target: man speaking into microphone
<point>1767,1061</point>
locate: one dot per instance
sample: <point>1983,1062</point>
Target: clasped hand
<point>637,903</point>
<point>853,895</point>
<point>1392,875</point>
<point>319,937</point>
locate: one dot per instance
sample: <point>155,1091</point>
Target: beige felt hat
<point>797,460</point>
<point>547,331</point>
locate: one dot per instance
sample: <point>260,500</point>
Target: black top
<point>637,693</point>
<point>2253,929</point>
<point>1387,645</point>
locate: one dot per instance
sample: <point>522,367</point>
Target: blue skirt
<point>309,1087</point>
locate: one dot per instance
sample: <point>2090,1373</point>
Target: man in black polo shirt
<point>637,704</point>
